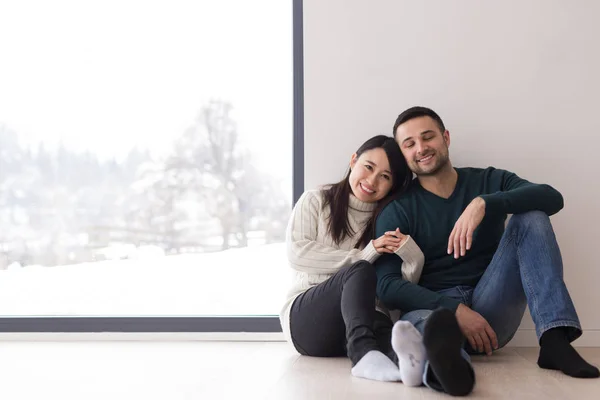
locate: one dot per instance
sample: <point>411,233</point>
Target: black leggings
<point>338,317</point>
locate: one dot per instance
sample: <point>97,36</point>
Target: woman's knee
<point>363,270</point>
<point>361,265</point>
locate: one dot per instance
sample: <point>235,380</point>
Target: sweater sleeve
<point>305,253</point>
<point>412,260</point>
<point>517,195</point>
<point>393,287</point>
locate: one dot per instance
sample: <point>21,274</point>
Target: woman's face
<point>370,176</point>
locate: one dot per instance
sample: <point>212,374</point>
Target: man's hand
<point>476,329</point>
<point>461,236</point>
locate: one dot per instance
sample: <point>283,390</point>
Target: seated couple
<point>438,249</point>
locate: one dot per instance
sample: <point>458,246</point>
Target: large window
<point>145,157</point>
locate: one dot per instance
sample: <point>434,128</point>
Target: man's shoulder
<point>474,173</point>
<point>480,171</point>
<point>408,194</point>
<point>401,202</point>
<point>473,170</point>
<point>396,209</point>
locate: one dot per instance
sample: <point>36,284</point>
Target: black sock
<point>443,342</point>
<point>557,353</point>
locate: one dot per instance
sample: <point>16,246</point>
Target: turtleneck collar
<point>358,205</point>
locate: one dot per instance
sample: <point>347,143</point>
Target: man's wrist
<point>480,202</point>
<point>459,310</point>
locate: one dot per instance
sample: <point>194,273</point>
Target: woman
<point>330,310</point>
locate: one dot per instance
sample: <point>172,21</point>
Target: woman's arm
<point>305,253</point>
<point>412,260</point>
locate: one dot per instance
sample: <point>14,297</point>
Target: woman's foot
<point>376,366</point>
<point>407,342</point>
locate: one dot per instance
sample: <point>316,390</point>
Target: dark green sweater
<point>429,220</point>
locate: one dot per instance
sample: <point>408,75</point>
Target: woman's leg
<point>337,317</point>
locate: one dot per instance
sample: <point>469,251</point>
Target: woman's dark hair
<point>337,196</point>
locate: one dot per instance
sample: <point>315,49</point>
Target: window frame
<point>253,324</point>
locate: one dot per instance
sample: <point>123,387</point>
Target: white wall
<point>517,83</point>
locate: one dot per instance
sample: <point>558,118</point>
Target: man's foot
<point>376,366</point>
<point>407,342</point>
<point>443,343</point>
<point>557,353</point>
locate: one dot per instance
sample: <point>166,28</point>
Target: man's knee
<point>417,315</point>
<point>537,220</point>
<point>504,338</point>
<point>531,217</point>
<point>418,318</point>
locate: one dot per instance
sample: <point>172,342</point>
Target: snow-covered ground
<point>247,281</point>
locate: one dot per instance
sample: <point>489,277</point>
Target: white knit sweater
<point>314,256</point>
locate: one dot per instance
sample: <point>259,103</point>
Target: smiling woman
<point>330,308</point>
<point>135,154</point>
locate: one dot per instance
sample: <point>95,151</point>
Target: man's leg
<point>403,344</point>
<point>499,296</point>
<point>527,270</point>
<point>448,368</point>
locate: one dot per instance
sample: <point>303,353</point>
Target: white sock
<point>375,365</point>
<point>407,342</point>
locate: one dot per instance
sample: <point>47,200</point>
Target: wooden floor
<point>238,370</point>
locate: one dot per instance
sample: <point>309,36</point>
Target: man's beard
<point>442,161</point>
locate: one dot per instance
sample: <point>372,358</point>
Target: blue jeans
<point>525,270</point>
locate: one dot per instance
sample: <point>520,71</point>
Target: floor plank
<point>252,370</point>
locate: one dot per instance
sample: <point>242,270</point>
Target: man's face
<point>424,145</point>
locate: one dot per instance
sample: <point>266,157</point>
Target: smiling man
<point>478,274</point>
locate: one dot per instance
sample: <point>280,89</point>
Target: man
<point>478,274</point>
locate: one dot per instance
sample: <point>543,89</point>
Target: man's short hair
<point>416,112</point>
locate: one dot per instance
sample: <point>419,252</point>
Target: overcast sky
<point>110,75</point>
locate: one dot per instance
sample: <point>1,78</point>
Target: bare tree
<point>211,161</point>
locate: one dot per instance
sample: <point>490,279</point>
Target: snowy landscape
<point>247,281</point>
<point>144,171</point>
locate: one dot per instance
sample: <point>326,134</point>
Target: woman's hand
<point>389,242</point>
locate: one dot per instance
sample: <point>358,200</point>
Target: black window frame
<point>254,324</point>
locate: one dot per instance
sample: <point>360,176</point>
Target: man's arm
<point>517,195</point>
<point>512,195</point>
<point>392,290</point>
